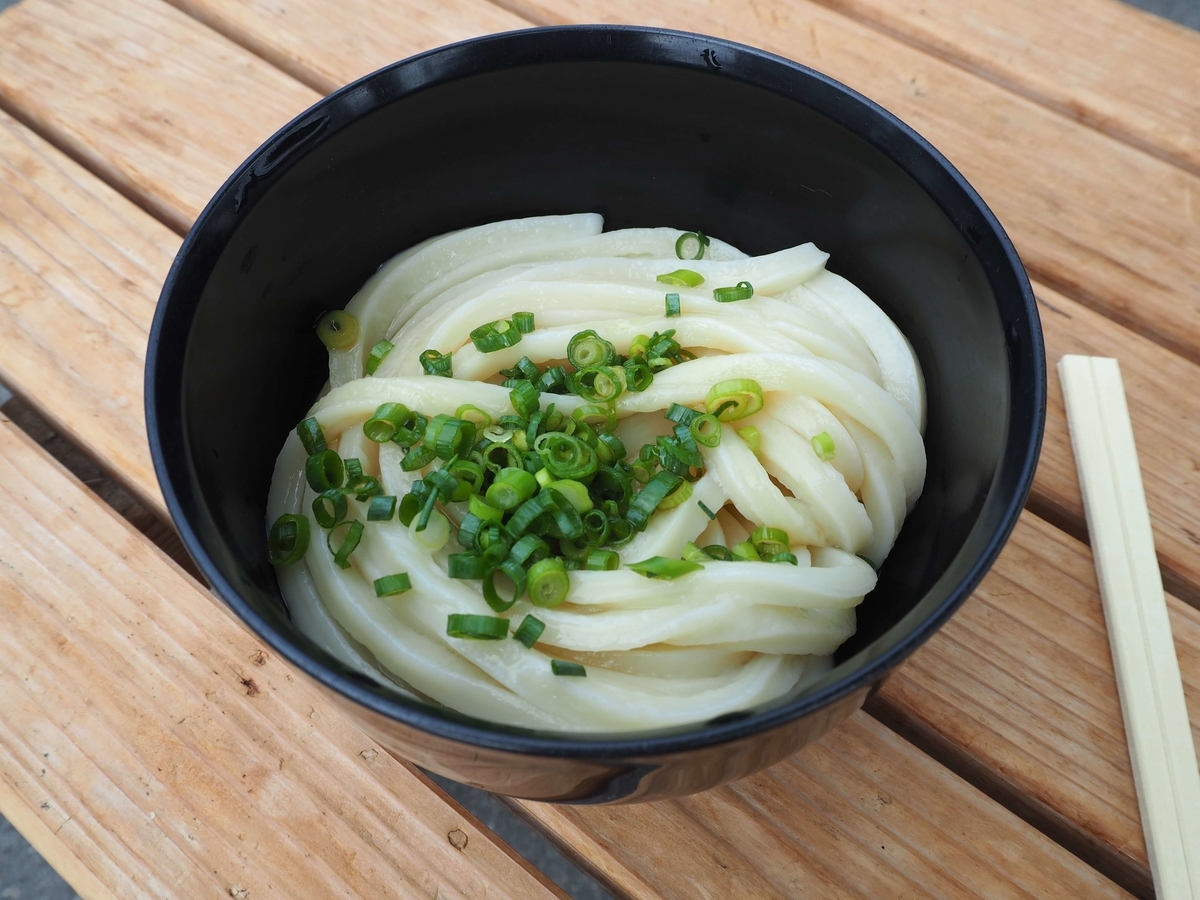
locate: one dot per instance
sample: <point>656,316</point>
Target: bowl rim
<point>624,44</point>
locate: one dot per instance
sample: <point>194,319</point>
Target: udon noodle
<point>833,460</point>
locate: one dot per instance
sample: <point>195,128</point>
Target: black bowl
<point>648,127</point>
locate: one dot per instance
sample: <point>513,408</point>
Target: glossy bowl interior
<point>647,127</point>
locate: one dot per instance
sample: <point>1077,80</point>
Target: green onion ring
<point>743,291</point>
<point>354,532</point>
<point>479,628</point>
<point>287,541</point>
<point>661,567</point>
<point>734,399</point>
<point>682,278</point>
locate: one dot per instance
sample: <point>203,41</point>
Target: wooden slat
<point>203,103</point>
<point>1129,73</point>
<point>856,815</point>
<point>1021,681</point>
<point>143,761</point>
<point>327,45</point>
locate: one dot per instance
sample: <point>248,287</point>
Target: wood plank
<point>203,103</point>
<point>191,767</point>
<point>1126,72</point>
<point>1097,219</point>
<point>1021,682</point>
<point>311,40</point>
<point>858,814</point>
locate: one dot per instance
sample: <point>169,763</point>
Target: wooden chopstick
<point>1139,630</point>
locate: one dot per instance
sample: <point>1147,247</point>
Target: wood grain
<point>1021,681</point>
<point>191,767</point>
<point>856,815</point>
<point>326,45</point>
<point>203,103</point>
<point>1126,72</point>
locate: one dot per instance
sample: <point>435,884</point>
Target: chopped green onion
<point>511,488</point>
<point>435,363</point>
<point>381,509</point>
<point>609,445</point>
<point>613,484</point>
<point>706,430</point>
<point>501,456</point>
<point>529,631</point>
<point>682,278</point>
<point>450,437</point>
<point>377,355</point>
<point>681,415</point>
<point>596,527</point>
<point>566,456</point>
<point>515,574</point>
<point>474,415</point>
<point>769,541</point>
<point>324,470</point>
<point>354,532</point>
<point>602,561</point>
<point>559,667</point>
<point>682,492</point>
<point>589,349</point>
<point>708,512</point>
<point>388,419</point>
<point>329,508</point>
<point>529,549</point>
<point>495,336</point>
<point>651,496</point>
<point>661,567</point>
<point>411,430</point>
<point>690,245</point>
<point>470,476</point>
<point>734,399</point>
<point>524,398</point>
<point>417,458</point>
<point>338,330</point>
<point>601,416</point>
<point>718,552</point>
<point>548,582</point>
<point>553,381</point>
<point>823,446</point>
<point>523,322</point>
<point>288,540</point>
<point>391,585</point>
<point>638,375</point>
<point>363,487</point>
<point>354,469</point>
<point>599,384</point>
<point>785,556</point>
<point>524,515</point>
<point>745,550</point>
<point>481,509</point>
<point>575,493</point>
<point>672,305</point>
<point>692,553</point>
<point>311,436</point>
<point>743,291</point>
<point>752,437</point>
<point>467,565</point>
<point>479,628</point>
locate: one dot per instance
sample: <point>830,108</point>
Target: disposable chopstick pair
<point>1139,630</point>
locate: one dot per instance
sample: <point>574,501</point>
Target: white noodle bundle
<point>658,653</point>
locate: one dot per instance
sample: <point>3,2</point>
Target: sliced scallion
<point>561,667</point>
<point>511,488</point>
<point>769,541</point>
<point>353,534</point>
<point>435,363</point>
<point>338,330</point>
<point>474,415</point>
<point>690,245</point>
<point>381,508</point>
<point>324,471</point>
<point>681,493</point>
<point>388,419</point>
<point>743,291</point>
<point>329,508</point>
<point>602,561</point>
<point>753,438</point>
<point>650,497</point>
<point>672,305</point>
<point>662,567</point>
<point>524,398</point>
<point>495,336</point>
<point>638,375</point>
<point>823,446</point>
<point>708,512</point>
<point>287,541</point>
<point>478,628</point>
<point>311,436</point>
<point>523,322</point>
<point>391,585</point>
<point>378,353</point>
<point>706,430</point>
<point>745,550</point>
<point>529,631</point>
<point>734,399</point>
<point>682,278</point>
<point>548,582</point>
<point>599,384</point>
<point>589,349</point>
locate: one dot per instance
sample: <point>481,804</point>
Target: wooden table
<point>150,747</point>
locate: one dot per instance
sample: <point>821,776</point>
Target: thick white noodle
<point>658,653</point>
